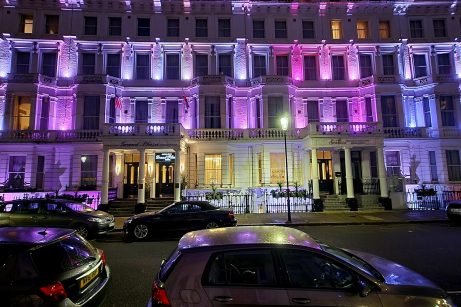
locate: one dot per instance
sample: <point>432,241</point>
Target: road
<point>430,249</point>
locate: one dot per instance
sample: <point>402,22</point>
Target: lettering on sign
<point>165,157</point>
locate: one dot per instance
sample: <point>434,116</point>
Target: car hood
<point>100,214</point>
<point>143,215</point>
<point>394,273</point>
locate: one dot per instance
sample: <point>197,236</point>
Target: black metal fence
<point>239,203</point>
<point>280,204</point>
<point>439,201</point>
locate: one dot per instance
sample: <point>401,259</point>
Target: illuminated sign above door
<point>165,157</point>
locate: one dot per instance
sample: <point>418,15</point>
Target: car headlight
<point>95,219</point>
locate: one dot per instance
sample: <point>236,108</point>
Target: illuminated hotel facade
<point>141,96</point>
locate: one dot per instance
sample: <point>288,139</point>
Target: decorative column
<point>433,62</point>
<point>353,62</point>
<point>324,62</point>
<point>318,203</point>
<point>34,59</point>
<point>379,62</point>
<point>296,62</point>
<point>151,173</point>
<point>306,171</point>
<point>213,70</point>
<point>272,70</point>
<point>405,62</point>
<point>350,198</point>
<point>104,205</point>
<point>457,59</point>
<point>99,60</point>
<point>127,61</point>
<point>119,172</point>
<point>5,56</point>
<point>157,60</point>
<point>177,175</point>
<point>140,205</point>
<point>68,58</point>
<point>382,172</point>
<point>240,61</point>
<point>187,61</point>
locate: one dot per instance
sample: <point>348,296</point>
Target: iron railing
<point>239,203</point>
<point>439,201</point>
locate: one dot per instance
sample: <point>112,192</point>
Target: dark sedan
<point>454,211</point>
<point>52,212</point>
<point>178,219</point>
<point>50,267</point>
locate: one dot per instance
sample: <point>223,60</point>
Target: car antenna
<point>43,232</point>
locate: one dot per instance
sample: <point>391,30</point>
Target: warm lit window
<point>21,113</point>
<point>277,168</point>
<point>213,173</point>
<point>88,170</point>
<point>362,29</point>
<point>336,29</point>
<point>384,29</point>
<point>27,24</point>
<point>52,24</point>
<point>260,168</point>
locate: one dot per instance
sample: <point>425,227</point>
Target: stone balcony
<point>50,136</point>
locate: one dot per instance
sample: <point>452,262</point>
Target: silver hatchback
<point>281,266</point>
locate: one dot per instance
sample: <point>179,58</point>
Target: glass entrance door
<point>325,165</point>
<point>165,174</point>
<point>130,180</point>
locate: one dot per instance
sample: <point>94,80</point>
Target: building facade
<point>143,96</point>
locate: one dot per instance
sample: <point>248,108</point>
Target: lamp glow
<point>83,159</point>
<point>284,123</point>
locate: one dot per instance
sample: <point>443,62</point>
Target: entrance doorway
<point>164,164</point>
<point>325,165</point>
<point>356,160</point>
<point>130,180</point>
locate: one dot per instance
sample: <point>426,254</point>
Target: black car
<point>177,219</point>
<point>50,267</point>
<point>53,212</point>
<point>454,211</point>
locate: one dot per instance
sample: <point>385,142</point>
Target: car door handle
<point>301,300</point>
<point>223,299</point>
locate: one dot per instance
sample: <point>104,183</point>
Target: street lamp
<point>284,124</point>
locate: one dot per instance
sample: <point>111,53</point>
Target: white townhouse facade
<point>139,97</point>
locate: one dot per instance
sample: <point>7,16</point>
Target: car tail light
<point>159,295</point>
<point>54,292</point>
<point>103,256</point>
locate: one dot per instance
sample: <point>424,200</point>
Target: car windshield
<point>78,207</point>
<point>353,260</point>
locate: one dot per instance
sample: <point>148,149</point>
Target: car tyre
<point>211,225</point>
<point>140,231</point>
<point>83,230</point>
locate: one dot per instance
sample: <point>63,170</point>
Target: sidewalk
<point>334,218</point>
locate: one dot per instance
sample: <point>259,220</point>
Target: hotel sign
<point>165,157</point>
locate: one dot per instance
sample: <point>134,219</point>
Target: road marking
<point>373,218</point>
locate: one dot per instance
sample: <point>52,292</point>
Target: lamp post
<point>284,124</point>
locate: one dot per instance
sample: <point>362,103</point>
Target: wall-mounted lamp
<point>149,170</point>
<point>117,169</point>
<point>83,159</point>
<point>181,168</point>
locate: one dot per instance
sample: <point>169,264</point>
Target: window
<point>231,170</point>
<point>341,111</point>
<point>362,29</point>
<point>282,65</point>
<point>224,28</point>
<point>212,112</point>
<point>280,29</point>
<point>172,28</point>
<point>260,168</point>
<point>338,67</point>
<point>277,168</point>
<point>89,170</point>
<point>27,24</point>
<point>306,270</point>
<point>141,114</point>
<point>143,27</point>
<point>259,65</point>
<point>453,165</point>
<point>447,111</point>
<point>172,67</point>
<point>258,112</point>
<point>213,169</point>
<point>366,69</point>
<point>368,109</point>
<point>171,111</point>
<point>51,24</point>
<point>201,65</point>
<point>91,25</point>
<point>242,268</point>
<point>45,113</point>
<point>388,64</point>
<point>142,66</point>
<point>419,61</point>
<point>22,62</point>
<point>384,29</point>
<point>49,64</point>
<point>416,29</point>
<point>274,111</point>
<point>21,113</point>
<point>373,165</point>
<point>112,109</point>
<point>308,29</point>
<point>115,26</point>
<point>40,175</point>
<point>113,65</point>
<point>16,171</point>
<point>225,64</point>
<point>433,166</point>
<point>440,29</point>
<point>91,113</point>
<point>313,111</point>
<point>310,67</point>
<point>393,163</point>
<point>443,64</point>
<point>427,112</point>
<point>88,63</point>
<point>258,29</point>
<point>336,29</point>
<point>389,111</point>
<point>201,27</point>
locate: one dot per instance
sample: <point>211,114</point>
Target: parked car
<point>177,219</point>
<point>50,267</point>
<point>53,212</point>
<point>281,266</point>
<point>454,211</point>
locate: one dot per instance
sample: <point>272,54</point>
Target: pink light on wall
<point>296,62</point>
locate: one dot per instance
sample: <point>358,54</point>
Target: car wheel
<point>140,231</point>
<point>211,224</point>
<point>83,231</point>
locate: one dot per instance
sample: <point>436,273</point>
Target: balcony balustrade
<point>366,81</point>
<point>51,136</point>
<point>213,80</point>
<point>271,80</point>
<point>22,78</point>
<point>405,132</point>
<point>344,128</point>
<point>143,129</point>
<point>386,79</point>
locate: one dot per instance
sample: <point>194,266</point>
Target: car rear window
<point>167,266</point>
<point>64,255</point>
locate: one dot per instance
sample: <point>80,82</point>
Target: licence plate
<point>88,278</point>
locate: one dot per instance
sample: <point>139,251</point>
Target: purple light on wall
<point>296,62</point>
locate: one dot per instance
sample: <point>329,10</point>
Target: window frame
<point>142,28</point>
<point>169,73</point>
<point>442,29</point>
<point>416,28</point>
<point>338,73</point>
<point>362,29</point>
<point>47,69</point>
<point>388,68</point>
<point>336,33</point>
<point>23,66</point>
<point>384,29</point>
<point>51,21</point>
<point>308,32</point>
<point>418,68</point>
<point>172,30</point>
<point>282,64</point>
<point>444,68</point>
<point>366,71</point>
<point>139,69</point>
<point>310,71</point>
<point>201,30</point>
<point>201,70</point>
<point>86,176</point>
<point>217,170</point>
<point>109,68</point>
<point>25,24</point>
<point>280,29</point>
<point>259,68</point>
<point>114,29</point>
<point>224,27</point>
<point>259,32</point>
<point>88,29</point>
<point>453,162</point>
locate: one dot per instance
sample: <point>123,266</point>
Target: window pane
<point>453,165</point>
<point>443,63</point>
<point>27,24</point>
<point>439,28</point>
<point>338,67</point>
<point>258,29</point>
<point>308,29</point>
<point>143,26</point>
<point>274,111</point>
<point>389,111</point>
<point>259,65</point>
<point>362,29</point>
<point>212,112</point>
<point>201,65</point>
<point>277,168</point>
<point>366,69</point>
<point>280,29</point>
<point>427,112</point>
<point>115,26</point>
<point>224,28</point>
<point>141,114</point>
<point>172,66</point>
<point>336,29</point>
<point>213,170</point>
<point>52,24</point>
<point>22,62</point>
<point>310,67</point>
<point>89,170</point>
<point>91,26</point>
<point>91,113</point>
<point>447,111</point>
<point>113,65</point>
<point>416,28</point>
<point>88,63</point>
<point>313,111</point>
<point>225,64</point>
<point>16,169</point>
<point>341,111</point>
<point>142,66</point>
<point>433,166</point>
<point>173,27</point>
<point>384,29</point>
<point>282,65</point>
<point>393,163</point>
<point>49,64</point>
<point>388,64</point>
<point>201,28</point>
<point>419,61</point>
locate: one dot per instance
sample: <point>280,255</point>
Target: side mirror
<point>363,287</point>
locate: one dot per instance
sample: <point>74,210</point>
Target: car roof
<point>31,235</point>
<point>246,235</point>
